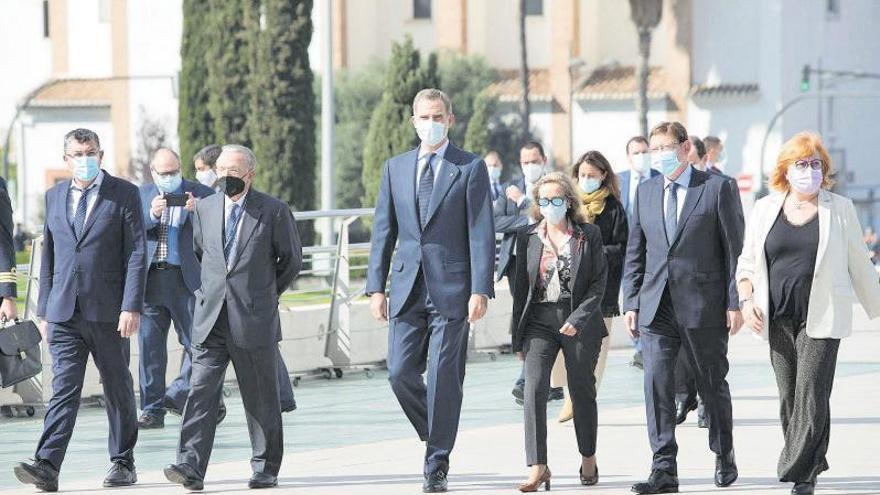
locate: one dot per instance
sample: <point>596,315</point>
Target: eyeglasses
<point>815,164</point>
<point>665,147</point>
<point>549,201</point>
<point>80,154</point>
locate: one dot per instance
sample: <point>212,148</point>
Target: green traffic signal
<point>805,79</point>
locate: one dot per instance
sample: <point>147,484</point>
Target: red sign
<point>744,182</point>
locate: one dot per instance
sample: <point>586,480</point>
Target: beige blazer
<point>843,272</point>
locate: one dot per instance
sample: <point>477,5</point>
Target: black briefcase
<point>19,352</point>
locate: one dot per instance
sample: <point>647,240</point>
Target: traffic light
<point>805,79</point>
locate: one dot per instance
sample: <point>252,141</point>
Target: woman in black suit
<point>599,192</point>
<point>557,305</point>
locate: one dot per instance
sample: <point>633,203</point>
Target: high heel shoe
<point>567,411</point>
<point>544,479</point>
<point>592,480</point>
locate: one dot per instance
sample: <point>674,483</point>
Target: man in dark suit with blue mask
<point>173,277</point>
<point>435,205</point>
<point>680,295</point>
<point>91,297</point>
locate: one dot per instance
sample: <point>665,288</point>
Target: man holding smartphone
<point>173,277</point>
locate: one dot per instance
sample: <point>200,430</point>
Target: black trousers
<point>255,370</point>
<point>804,369</point>
<point>542,343</point>
<point>70,344</point>
<point>706,352</point>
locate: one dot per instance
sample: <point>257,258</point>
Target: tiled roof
<point>620,83</point>
<point>747,90</point>
<point>508,89</point>
<point>76,92</point>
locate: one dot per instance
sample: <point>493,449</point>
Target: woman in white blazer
<point>802,267</point>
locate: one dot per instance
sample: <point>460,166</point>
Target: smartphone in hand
<point>175,199</point>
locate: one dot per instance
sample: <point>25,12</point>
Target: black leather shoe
<point>658,482</point>
<point>682,409</point>
<point>725,470</point>
<point>170,407</point>
<point>184,474</point>
<point>263,480</point>
<point>221,413</point>
<point>518,393</point>
<point>637,361</point>
<point>38,473</point>
<point>121,474</point>
<point>435,482</point>
<point>556,394</point>
<point>151,422</point>
<point>803,488</point>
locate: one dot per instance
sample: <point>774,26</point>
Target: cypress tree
<point>476,139</point>
<point>195,127</point>
<point>228,60</point>
<point>391,131</point>
<point>282,110</point>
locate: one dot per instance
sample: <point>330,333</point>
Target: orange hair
<point>801,146</point>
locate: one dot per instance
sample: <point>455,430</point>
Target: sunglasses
<point>551,201</point>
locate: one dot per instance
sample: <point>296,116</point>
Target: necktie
<point>426,187</point>
<point>671,212</point>
<point>231,224</point>
<point>162,246</point>
<point>79,218</point>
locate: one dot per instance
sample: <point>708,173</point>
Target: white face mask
<point>207,177</point>
<point>643,162</point>
<point>532,172</point>
<point>430,132</point>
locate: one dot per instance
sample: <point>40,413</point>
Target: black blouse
<point>613,224</point>
<point>791,259</point>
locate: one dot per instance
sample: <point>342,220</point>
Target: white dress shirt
<point>437,162</point>
<point>684,182</point>
<point>75,193</point>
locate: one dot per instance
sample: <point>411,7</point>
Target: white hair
<point>250,158</point>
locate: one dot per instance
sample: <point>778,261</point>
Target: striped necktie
<point>426,187</point>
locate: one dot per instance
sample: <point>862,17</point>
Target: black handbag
<point>19,353</point>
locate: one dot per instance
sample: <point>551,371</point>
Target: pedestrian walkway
<point>349,436</point>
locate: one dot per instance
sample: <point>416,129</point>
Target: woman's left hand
<point>568,329</point>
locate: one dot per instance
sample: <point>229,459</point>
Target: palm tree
<point>525,108</point>
<point>645,15</point>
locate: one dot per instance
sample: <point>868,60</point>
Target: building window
<point>45,18</point>
<point>103,10</point>
<point>534,7</point>
<point>421,9</point>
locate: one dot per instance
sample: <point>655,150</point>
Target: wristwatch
<point>742,302</point>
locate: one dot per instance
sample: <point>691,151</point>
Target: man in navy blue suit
<point>173,277</point>
<point>434,204</point>
<point>680,295</point>
<point>91,297</point>
<point>639,171</point>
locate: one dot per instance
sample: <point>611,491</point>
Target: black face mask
<point>230,186</point>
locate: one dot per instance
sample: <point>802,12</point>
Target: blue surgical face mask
<point>430,132</point>
<point>494,173</point>
<point>667,162</point>
<point>554,214</point>
<point>167,183</point>
<point>86,168</point>
<point>643,163</point>
<point>589,185</point>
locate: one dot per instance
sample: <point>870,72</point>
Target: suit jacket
<point>508,218</point>
<point>700,264</point>
<point>624,186</point>
<point>588,276</point>
<point>189,265</point>
<point>456,249</point>
<point>7,249</point>
<point>104,272</point>
<point>613,225</point>
<point>267,260</point>
<point>843,272</point>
